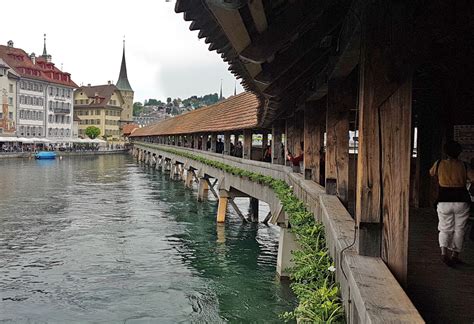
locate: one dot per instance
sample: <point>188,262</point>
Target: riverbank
<point>28,155</point>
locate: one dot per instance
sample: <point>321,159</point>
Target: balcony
<point>61,110</point>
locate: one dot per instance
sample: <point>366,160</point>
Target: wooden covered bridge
<point>372,89</point>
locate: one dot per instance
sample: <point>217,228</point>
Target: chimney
<point>10,43</point>
<point>88,84</point>
<point>33,58</point>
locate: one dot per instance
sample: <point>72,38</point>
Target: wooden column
<point>247,150</point>
<point>222,207</point>
<point>384,141</point>
<point>226,143</point>
<point>213,142</point>
<point>278,128</point>
<point>253,208</point>
<point>203,189</point>
<point>341,98</point>
<point>204,139</point>
<point>314,117</point>
<point>289,138</point>
<point>194,139</point>
<point>264,143</point>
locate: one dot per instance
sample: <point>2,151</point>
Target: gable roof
<point>21,63</point>
<point>104,93</point>
<point>236,113</point>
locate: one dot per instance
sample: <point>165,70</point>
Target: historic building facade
<point>8,99</point>
<point>99,106</point>
<point>44,95</point>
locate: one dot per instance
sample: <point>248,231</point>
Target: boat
<point>45,155</point>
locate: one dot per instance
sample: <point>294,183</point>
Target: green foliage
<point>154,102</point>
<point>313,276</point>
<point>137,108</point>
<point>92,132</point>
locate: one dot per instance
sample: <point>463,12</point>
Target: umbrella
<point>8,139</point>
<point>98,140</point>
<point>25,140</point>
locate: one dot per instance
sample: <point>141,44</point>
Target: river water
<point>102,239</point>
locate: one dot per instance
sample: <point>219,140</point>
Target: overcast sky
<point>164,58</point>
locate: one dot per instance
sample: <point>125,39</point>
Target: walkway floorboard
<point>440,293</point>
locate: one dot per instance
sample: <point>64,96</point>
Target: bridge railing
<point>370,292</point>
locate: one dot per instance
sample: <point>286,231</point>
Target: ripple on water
<point>99,239</point>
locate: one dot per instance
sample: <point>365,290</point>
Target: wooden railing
<point>370,292</point>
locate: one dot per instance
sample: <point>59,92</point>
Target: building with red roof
<point>44,95</point>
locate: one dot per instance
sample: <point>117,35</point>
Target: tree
<point>92,132</point>
<point>168,101</point>
<point>137,108</point>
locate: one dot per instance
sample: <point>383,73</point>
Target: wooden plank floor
<point>440,293</point>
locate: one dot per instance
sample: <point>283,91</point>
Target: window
<point>41,87</point>
<point>62,92</point>
<point>68,93</point>
<point>10,101</point>
<point>50,131</point>
<point>50,91</point>
<point>30,85</point>
<point>10,88</point>
<point>68,119</point>
<point>1,115</point>
<point>10,115</point>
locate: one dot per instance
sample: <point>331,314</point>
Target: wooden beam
<point>299,74</point>
<point>314,118</point>
<point>213,142</point>
<point>233,26</point>
<point>283,30</point>
<point>396,157</point>
<point>227,145</point>
<point>341,99</point>
<point>308,44</point>
<point>258,14</point>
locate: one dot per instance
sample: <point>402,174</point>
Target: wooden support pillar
<point>203,189</point>
<point>277,131</point>
<point>289,138</point>
<point>213,142</point>
<point>247,150</point>
<point>341,99</point>
<point>314,117</point>
<point>253,209</point>
<point>196,141</point>
<point>383,167</point>
<point>226,143</point>
<point>189,178</point>
<point>205,138</point>
<point>222,207</point>
<point>264,143</point>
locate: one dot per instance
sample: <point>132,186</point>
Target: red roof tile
<point>237,112</point>
<point>20,61</point>
<point>129,128</point>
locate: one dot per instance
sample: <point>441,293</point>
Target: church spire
<point>235,88</point>
<point>220,94</point>
<point>45,53</point>
<point>122,83</point>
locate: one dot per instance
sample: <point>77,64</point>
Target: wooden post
<point>189,178</point>
<point>204,139</point>
<point>247,154</point>
<point>203,189</point>
<point>314,117</point>
<point>222,207</point>
<point>341,99</point>
<point>196,141</point>
<point>253,208</point>
<point>213,142</point>
<point>289,138</point>
<point>396,158</point>
<point>277,131</point>
<point>226,143</point>
<point>264,143</point>
<point>384,87</point>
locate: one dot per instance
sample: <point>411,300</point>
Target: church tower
<point>126,91</point>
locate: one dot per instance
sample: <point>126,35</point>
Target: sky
<point>164,58</point>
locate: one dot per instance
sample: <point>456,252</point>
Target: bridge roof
<point>235,113</point>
